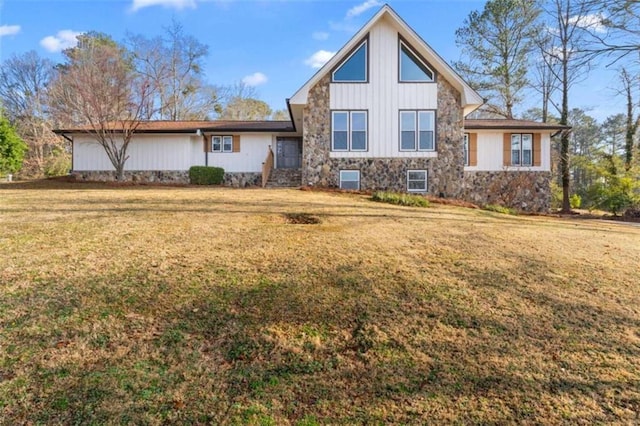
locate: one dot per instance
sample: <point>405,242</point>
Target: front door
<point>288,153</point>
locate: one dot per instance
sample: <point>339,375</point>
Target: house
<point>386,112</point>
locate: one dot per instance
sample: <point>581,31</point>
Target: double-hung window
<point>417,130</point>
<point>350,179</point>
<point>222,144</point>
<point>416,180</point>
<point>349,131</point>
<point>521,149</point>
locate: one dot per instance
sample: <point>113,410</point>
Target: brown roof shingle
<point>193,126</point>
<point>510,124</point>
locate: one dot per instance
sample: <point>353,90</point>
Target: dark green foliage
<point>12,148</point>
<point>500,209</point>
<point>202,175</point>
<point>400,199</point>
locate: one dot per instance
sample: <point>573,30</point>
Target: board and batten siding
<point>146,152</point>
<point>253,151</point>
<point>383,97</point>
<point>490,147</point>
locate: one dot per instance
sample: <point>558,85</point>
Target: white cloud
<point>63,40</point>
<point>175,4</point>
<point>255,79</point>
<point>6,30</point>
<point>593,22</point>
<point>320,35</point>
<point>318,59</point>
<point>361,8</point>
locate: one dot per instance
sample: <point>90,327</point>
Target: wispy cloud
<point>255,79</point>
<point>320,35</point>
<point>6,30</point>
<point>593,22</point>
<point>362,7</point>
<point>173,4</point>
<point>63,40</point>
<point>318,59</point>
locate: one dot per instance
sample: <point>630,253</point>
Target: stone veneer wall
<point>445,173</point>
<point>521,190</point>
<point>240,180</point>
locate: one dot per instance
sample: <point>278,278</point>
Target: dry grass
<point>191,305</point>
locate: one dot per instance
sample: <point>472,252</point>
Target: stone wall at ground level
<point>240,180</point>
<point>526,191</point>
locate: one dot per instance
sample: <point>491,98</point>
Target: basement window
<point>417,181</point>
<point>350,179</point>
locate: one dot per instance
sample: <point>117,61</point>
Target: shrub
<point>57,164</point>
<point>500,209</point>
<point>575,201</point>
<point>400,199</point>
<point>202,175</point>
<point>615,194</point>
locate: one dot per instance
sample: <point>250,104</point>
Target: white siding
<point>383,96</point>
<point>490,152</point>
<point>253,151</point>
<point>146,152</point>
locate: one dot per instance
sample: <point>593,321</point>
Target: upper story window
<point>521,149</point>
<point>349,131</point>
<point>353,69</point>
<point>417,130</point>
<point>412,68</point>
<point>221,144</point>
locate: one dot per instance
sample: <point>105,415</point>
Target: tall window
<point>349,131</point>
<point>222,144</point>
<point>354,68</point>
<point>521,149</point>
<point>412,68</point>
<point>466,149</point>
<point>417,130</point>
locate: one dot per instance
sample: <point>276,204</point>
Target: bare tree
<point>98,89</point>
<point>632,119</point>
<point>23,92</point>
<point>569,61</point>
<point>619,29</point>
<point>173,64</point>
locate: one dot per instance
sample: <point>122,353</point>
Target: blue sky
<point>275,45</point>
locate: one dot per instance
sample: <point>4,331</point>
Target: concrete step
<point>285,178</point>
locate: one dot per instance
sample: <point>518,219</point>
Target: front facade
<point>386,112</point>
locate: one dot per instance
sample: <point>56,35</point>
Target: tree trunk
<point>120,172</point>
<point>564,139</point>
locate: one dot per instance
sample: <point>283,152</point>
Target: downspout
<point>71,141</point>
<point>206,153</point>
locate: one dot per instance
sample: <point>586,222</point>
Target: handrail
<point>267,166</point>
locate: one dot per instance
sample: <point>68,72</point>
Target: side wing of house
<point>508,162</point>
<point>385,113</point>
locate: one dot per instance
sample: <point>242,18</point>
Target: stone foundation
<point>242,180</point>
<point>239,180</point>
<point>140,176</point>
<point>525,191</point>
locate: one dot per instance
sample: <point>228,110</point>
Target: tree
<point>173,66</point>
<point>98,88</point>
<point>497,43</point>
<point>246,109</point>
<point>12,148</point>
<point>23,89</point>
<point>632,120</point>
<point>567,57</point>
<point>281,115</point>
<point>621,18</point>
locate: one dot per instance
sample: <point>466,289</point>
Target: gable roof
<point>165,126</point>
<point>470,98</point>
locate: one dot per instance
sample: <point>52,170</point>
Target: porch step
<point>285,178</point>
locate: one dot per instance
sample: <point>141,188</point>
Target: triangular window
<point>412,68</point>
<point>354,67</point>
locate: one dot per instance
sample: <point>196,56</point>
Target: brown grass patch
<point>147,305</point>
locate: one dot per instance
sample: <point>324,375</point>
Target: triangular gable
<point>469,97</point>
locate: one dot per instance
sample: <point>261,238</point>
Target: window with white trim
<point>416,180</point>
<point>221,143</point>
<point>350,179</point>
<point>521,149</point>
<point>411,68</point>
<point>349,130</point>
<point>417,130</point>
<point>466,149</point>
<point>354,68</point>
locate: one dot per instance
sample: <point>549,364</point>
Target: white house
<point>386,112</point>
